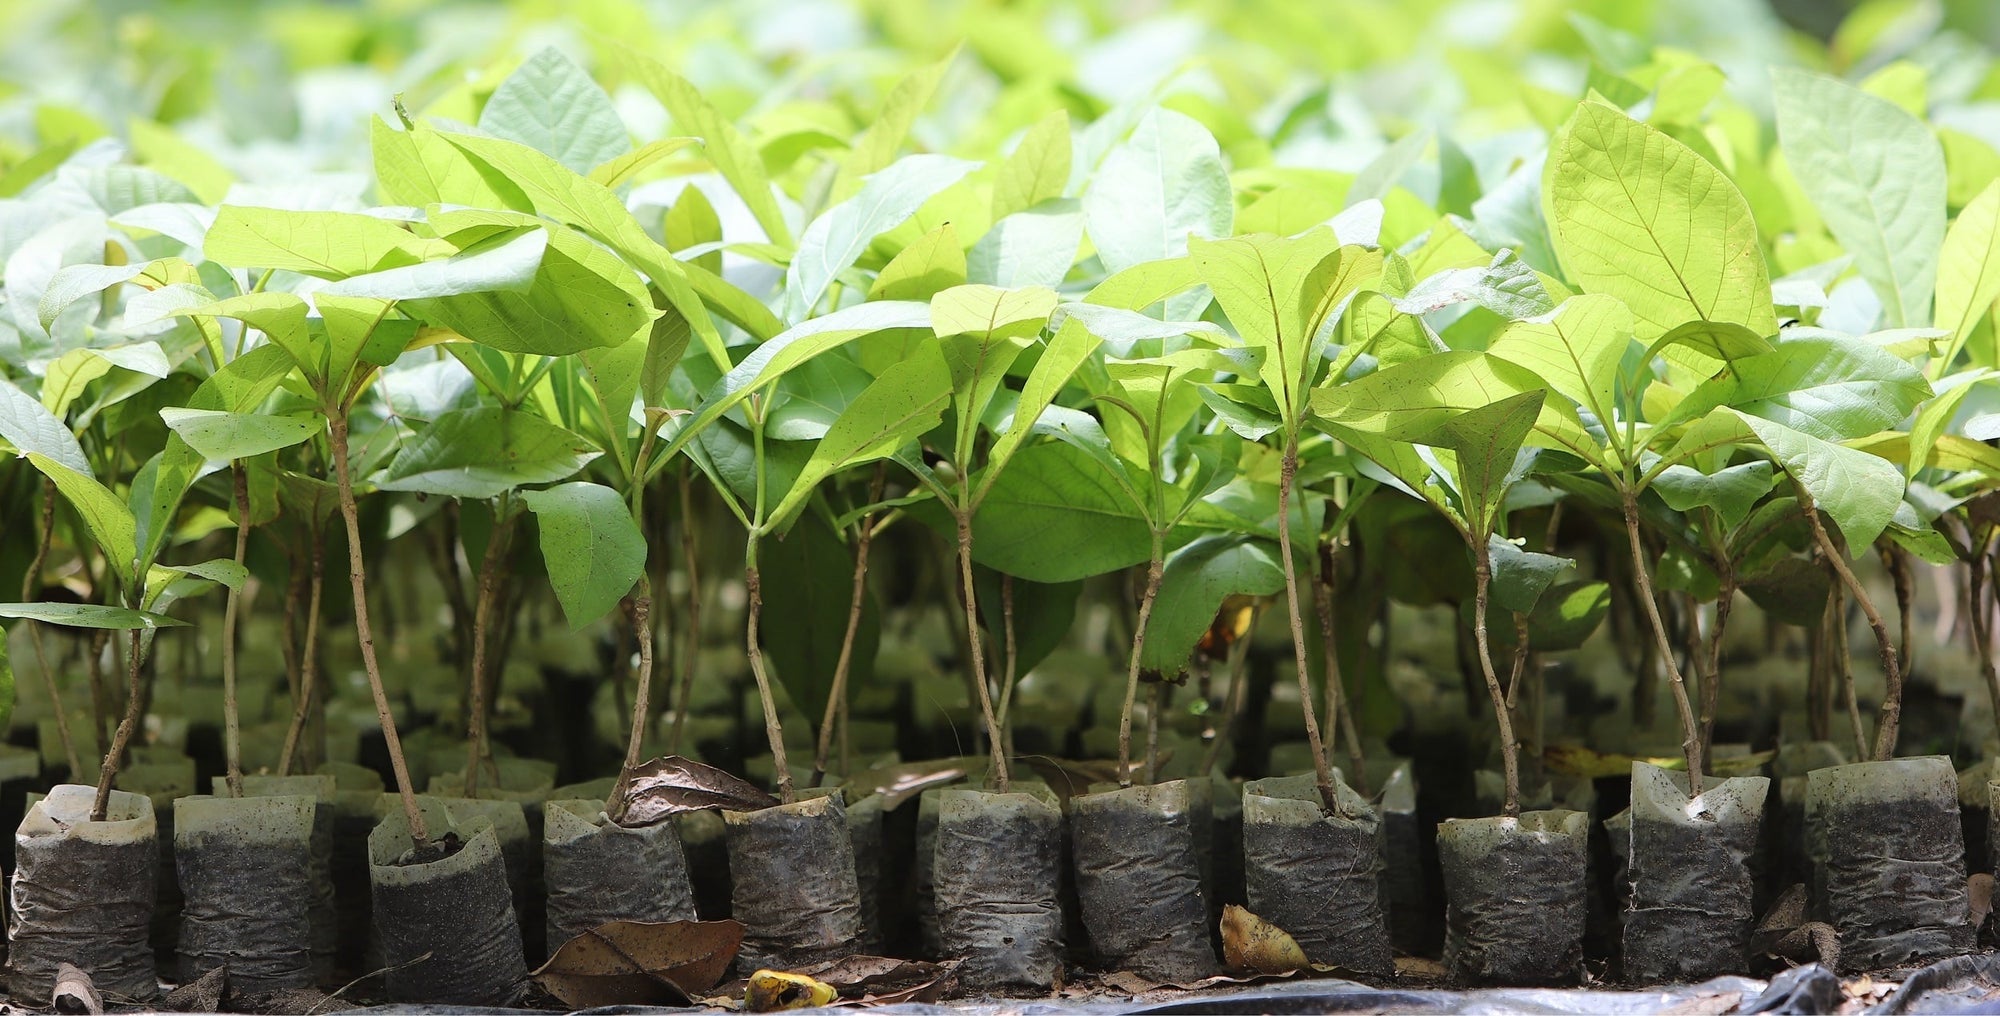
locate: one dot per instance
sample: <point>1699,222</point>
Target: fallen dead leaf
<point>1421,967</point>
<point>903,781</point>
<point>864,981</point>
<point>1980,888</point>
<point>75,992</point>
<point>203,994</point>
<point>657,790</point>
<point>640,963</point>
<point>1251,944</point>
<point>775,990</point>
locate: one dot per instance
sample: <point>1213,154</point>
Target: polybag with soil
<point>82,893</point>
<point>792,883</point>
<point>324,790</point>
<point>1138,876</point>
<point>1888,860</point>
<point>1515,897</point>
<point>1689,865</point>
<point>1315,874</point>
<point>449,900</point>
<point>599,871</point>
<point>246,872</point>
<point>996,876</point>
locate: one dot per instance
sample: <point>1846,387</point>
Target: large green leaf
<point>1165,182</point>
<point>110,522</point>
<point>225,437</point>
<point>576,296</point>
<point>1487,445</point>
<point>29,427</point>
<point>1038,169</point>
<point>1032,247</point>
<point>1732,492</point>
<point>1066,351</point>
<point>479,453</point>
<point>1857,490</point>
<point>505,262</point>
<point>550,104</point>
<point>906,401</point>
<point>593,550</point>
<point>1640,216</point>
<point>1968,279</point>
<point>86,615</point>
<point>808,587</point>
<point>1054,516</point>
<point>1831,387</point>
<point>836,239</point>
<point>1277,292</point>
<point>877,146</point>
<point>1576,348</point>
<point>331,245</point>
<point>1877,175</point>
<point>1520,577</point>
<point>1197,578</point>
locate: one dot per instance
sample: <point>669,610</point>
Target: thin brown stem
<point>133,695</point>
<point>1711,687</point>
<point>1897,561</point>
<point>30,586</point>
<point>1982,635</point>
<point>772,730</point>
<point>1287,479</point>
<point>1690,730</point>
<point>302,705</point>
<point>1153,706</point>
<point>1889,719</point>
<point>492,568</point>
<point>691,640</point>
<point>1010,668</point>
<point>642,630</point>
<point>1510,760</point>
<point>232,730</point>
<point>1338,715</point>
<point>996,744</point>
<point>357,576</point>
<point>836,696</point>
<point>1155,568</point>
<point>1837,657</point>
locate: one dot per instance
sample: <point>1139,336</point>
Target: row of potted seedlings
<point>1234,395</point>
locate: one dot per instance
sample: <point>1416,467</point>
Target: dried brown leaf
<point>664,787</point>
<point>1254,945</point>
<point>640,963</point>
<point>203,994</point>
<point>1979,888</point>
<point>75,992</point>
<point>775,991</point>
<point>903,781</point>
<point>864,981</point>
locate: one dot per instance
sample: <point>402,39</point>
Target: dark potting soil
<point>1138,876</point>
<point>1691,883</point>
<point>83,903</point>
<point>1515,892</point>
<point>1315,874</point>
<point>996,878</point>
<point>792,884</point>
<point>1893,882</point>
<point>430,851</point>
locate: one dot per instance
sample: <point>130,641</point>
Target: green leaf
<point>1791,589</point>
<point>1718,340</point>
<point>226,437</point>
<point>1564,617</point>
<point>577,296</point>
<point>1044,613</point>
<point>1857,490</point>
<point>88,615</point>
<point>221,571</point>
<point>31,428</point>
<point>593,210</point>
<point>1968,279</point>
<point>732,154</point>
<point>1877,176</point>
<point>1038,170</point>
<point>480,453</point>
<point>416,167</point>
<point>808,588</point>
<point>1732,492</point>
<point>771,360</point>
<point>1381,175</point>
<point>989,314</point>
<point>1165,182</point>
<point>551,105</point>
<point>74,282</point>
<point>503,263</point>
<point>1506,286</point>
<point>1576,348</point>
<point>905,402</point>
<point>1197,579</point>
<point>1520,577</point>
<point>282,319</point>
<point>1640,216</point>
<point>110,522</point>
<point>1054,516</point>
<point>1277,292</point>
<point>1032,247</point>
<point>616,173</point>
<point>1066,351</point>
<point>836,239</point>
<point>330,245</point>
<point>1487,441</point>
<point>924,269</point>
<point>1831,387</point>
<point>593,550</point>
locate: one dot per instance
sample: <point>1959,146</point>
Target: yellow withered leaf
<point>772,991</point>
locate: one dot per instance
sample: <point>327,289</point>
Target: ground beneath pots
<point>1966,984</point>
